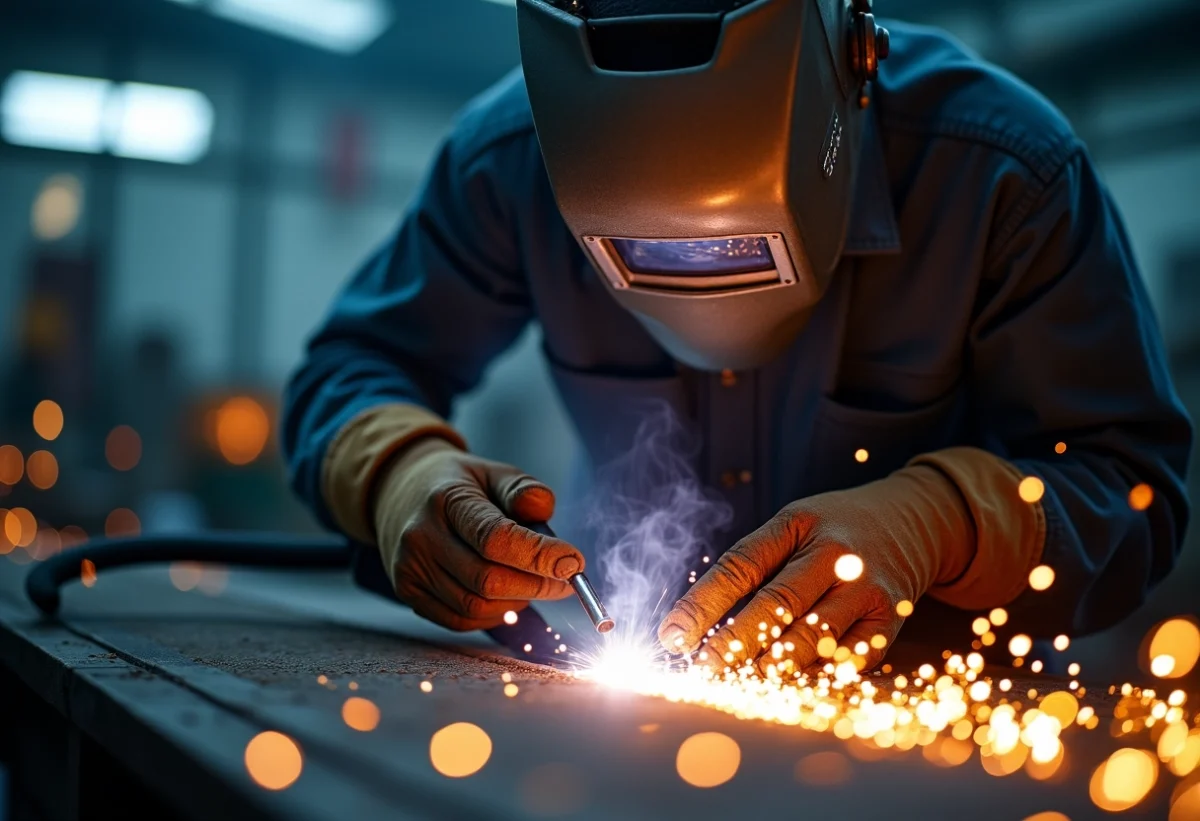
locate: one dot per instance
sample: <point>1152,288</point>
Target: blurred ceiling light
<point>345,26</point>
<point>56,209</point>
<point>148,122</point>
<point>92,115</point>
<point>54,111</point>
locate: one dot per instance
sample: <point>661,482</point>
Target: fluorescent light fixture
<point>54,111</point>
<point>344,26</point>
<point>158,123</point>
<point>94,115</point>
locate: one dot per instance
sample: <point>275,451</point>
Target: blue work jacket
<point>986,296</point>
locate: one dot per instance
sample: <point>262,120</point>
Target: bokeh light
<point>242,430</point>
<point>57,207</point>
<point>459,750</point>
<point>48,420</point>
<point>1185,803</point>
<point>72,536</point>
<point>122,522</point>
<point>1186,761</point>
<point>47,543</point>
<point>185,575</point>
<point>273,760</point>
<point>708,759</point>
<point>1041,577</point>
<point>861,455</point>
<point>510,617</point>
<point>1062,706</point>
<point>1048,815</point>
<point>1031,489</point>
<point>12,465</point>
<point>1062,642</point>
<point>87,573</point>
<point>824,769</point>
<point>1060,448</point>
<point>360,714</point>
<point>904,609</point>
<point>123,448</point>
<point>42,469</point>
<point>20,527</point>
<point>1179,640</point>
<point>848,567</point>
<point>1141,497</point>
<point>1123,780</point>
<point>1020,645</point>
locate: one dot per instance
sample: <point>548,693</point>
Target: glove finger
<point>741,570</point>
<point>426,605</point>
<point>450,592</point>
<point>780,603</point>
<point>520,495</point>
<point>499,539</point>
<point>835,613</point>
<point>495,581</point>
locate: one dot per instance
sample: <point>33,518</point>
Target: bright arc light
<point>149,122</point>
<point>93,115</point>
<point>344,26</point>
<point>55,111</point>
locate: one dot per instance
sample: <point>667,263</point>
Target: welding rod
<point>583,589</point>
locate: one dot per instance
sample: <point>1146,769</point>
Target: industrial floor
<point>168,687</point>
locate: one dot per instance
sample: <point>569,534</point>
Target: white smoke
<point>651,520</point>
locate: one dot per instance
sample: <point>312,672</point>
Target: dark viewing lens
<point>708,257</point>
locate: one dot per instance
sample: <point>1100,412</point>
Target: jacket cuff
<point>1010,533</point>
<point>361,448</point>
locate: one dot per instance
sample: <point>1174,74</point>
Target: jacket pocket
<point>851,446</point>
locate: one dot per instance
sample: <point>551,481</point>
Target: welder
<point>880,277</point>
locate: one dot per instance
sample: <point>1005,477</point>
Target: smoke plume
<point>651,519</point>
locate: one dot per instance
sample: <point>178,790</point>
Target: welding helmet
<point>703,153</point>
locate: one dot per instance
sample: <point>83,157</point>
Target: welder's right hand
<point>447,531</point>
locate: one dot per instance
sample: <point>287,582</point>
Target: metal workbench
<point>140,700</point>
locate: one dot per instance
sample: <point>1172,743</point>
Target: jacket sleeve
<point>420,321</point>
<point>1065,348</point>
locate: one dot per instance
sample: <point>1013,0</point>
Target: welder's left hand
<point>913,531</point>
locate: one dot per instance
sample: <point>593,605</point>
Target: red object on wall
<point>347,155</point>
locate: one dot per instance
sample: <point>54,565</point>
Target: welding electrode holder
<point>583,589</point>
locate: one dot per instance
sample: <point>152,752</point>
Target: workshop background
<point>185,183</point>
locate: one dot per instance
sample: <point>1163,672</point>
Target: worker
<point>879,277</point>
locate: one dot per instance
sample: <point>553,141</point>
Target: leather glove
<point>444,520</point>
<point>446,530</point>
<point>914,531</point>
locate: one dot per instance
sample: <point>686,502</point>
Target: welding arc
<point>266,550</point>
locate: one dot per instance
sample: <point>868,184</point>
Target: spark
<point>1041,577</point>
<point>1031,489</point>
<point>848,567</point>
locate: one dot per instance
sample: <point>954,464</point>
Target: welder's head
<point>703,153</point>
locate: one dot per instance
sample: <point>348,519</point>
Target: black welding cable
<point>530,638</point>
